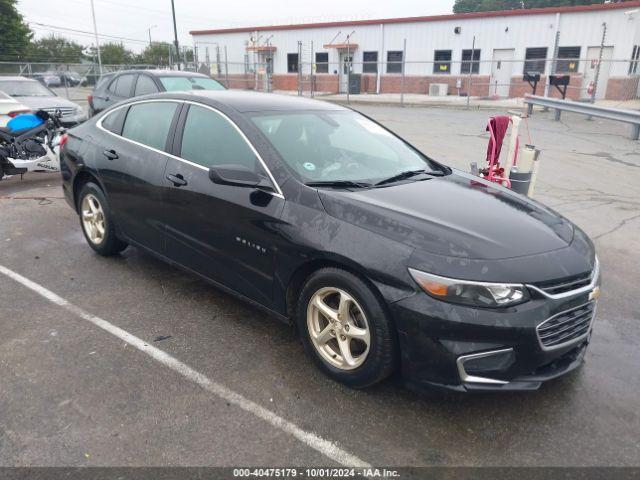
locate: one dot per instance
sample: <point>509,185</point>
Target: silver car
<point>38,97</point>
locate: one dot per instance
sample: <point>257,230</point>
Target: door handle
<point>110,154</point>
<point>177,180</point>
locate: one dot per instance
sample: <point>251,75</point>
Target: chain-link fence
<point>396,82</point>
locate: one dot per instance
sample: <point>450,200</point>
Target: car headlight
<point>466,292</point>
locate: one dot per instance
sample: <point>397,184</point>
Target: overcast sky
<point>132,18</point>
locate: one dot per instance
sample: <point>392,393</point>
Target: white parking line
<point>325,447</point>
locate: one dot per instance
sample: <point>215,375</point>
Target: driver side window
<point>209,139</point>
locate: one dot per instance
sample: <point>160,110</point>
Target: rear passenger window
<point>145,85</point>
<point>113,121</point>
<point>149,123</point>
<point>209,139</point>
<point>113,85</point>
<point>123,88</point>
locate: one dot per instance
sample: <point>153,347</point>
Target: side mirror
<point>239,176</point>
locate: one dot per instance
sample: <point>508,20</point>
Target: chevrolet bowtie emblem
<point>594,294</point>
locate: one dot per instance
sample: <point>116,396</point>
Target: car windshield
<point>24,88</point>
<point>339,147</point>
<point>175,83</point>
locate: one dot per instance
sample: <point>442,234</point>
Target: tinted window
<point>322,62</point>
<point>292,62</point>
<point>209,139</point>
<point>145,85</point>
<point>469,64</point>
<point>535,60</point>
<point>394,62</point>
<point>113,121</point>
<point>149,123</point>
<point>113,85</point>
<point>123,89</point>
<point>370,62</point>
<point>442,63</point>
<point>568,59</point>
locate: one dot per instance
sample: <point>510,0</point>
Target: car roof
<point>246,101</point>
<point>164,73</point>
<point>16,77</point>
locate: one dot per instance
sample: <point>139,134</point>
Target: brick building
<point>439,50</point>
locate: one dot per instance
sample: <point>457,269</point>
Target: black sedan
<point>384,258</point>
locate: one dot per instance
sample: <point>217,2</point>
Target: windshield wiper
<point>409,174</point>
<point>339,183</point>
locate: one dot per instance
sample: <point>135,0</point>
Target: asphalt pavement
<point>73,393</point>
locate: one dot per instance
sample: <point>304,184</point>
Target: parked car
<point>117,86</point>
<point>71,79</point>
<point>38,97</point>
<point>383,257</point>
<point>48,79</point>
<point>10,108</point>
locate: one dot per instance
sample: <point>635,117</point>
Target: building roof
<point>432,18</point>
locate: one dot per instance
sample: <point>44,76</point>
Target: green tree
<point>157,54</point>
<point>15,34</point>
<point>55,49</point>
<point>113,53</point>
<point>468,6</point>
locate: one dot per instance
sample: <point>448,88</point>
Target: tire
<point>369,363</point>
<point>93,211</point>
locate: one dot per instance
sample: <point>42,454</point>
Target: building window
<point>568,59</point>
<point>394,61</point>
<point>322,62</point>
<point>292,62</point>
<point>442,61</point>
<point>370,62</point>
<point>634,65</point>
<point>468,64</point>
<point>535,60</point>
<point>246,63</point>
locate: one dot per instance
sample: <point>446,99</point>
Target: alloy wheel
<point>93,220</point>
<point>338,328</point>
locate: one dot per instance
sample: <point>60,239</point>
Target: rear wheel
<point>345,328</point>
<point>96,221</point>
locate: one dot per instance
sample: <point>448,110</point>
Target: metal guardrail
<point>627,116</point>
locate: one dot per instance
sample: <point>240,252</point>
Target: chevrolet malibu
<point>383,258</point>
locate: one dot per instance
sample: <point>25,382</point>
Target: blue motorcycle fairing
<point>26,121</point>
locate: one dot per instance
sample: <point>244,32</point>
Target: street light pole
<point>175,32</point>
<point>95,31</point>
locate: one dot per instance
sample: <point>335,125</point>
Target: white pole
<point>95,32</point>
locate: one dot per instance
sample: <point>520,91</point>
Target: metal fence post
<point>473,50</point>
<point>226,67</point>
<point>404,59</point>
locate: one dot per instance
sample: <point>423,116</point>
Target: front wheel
<point>345,328</point>
<point>96,221</point>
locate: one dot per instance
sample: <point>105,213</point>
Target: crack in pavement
<point>617,227</point>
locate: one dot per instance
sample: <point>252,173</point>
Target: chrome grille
<point>567,284</point>
<point>566,327</point>
<point>65,111</point>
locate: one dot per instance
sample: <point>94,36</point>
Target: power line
<point>87,32</point>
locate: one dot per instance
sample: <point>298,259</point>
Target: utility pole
<point>95,32</point>
<point>175,33</point>
<point>149,30</point>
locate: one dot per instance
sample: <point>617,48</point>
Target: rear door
<point>223,232</point>
<point>120,88</point>
<point>133,159</point>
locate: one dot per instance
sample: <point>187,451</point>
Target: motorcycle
<point>31,143</point>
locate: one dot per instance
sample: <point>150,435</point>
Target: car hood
<point>37,103</point>
<point>458,215</point>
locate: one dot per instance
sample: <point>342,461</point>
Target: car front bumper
<point>471,349</point>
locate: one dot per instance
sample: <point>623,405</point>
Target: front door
<point>591,67</point>
<point>501,71</point>
<point>346,62</point>
<point>223,232</point>
<point>132,163</point>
